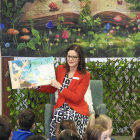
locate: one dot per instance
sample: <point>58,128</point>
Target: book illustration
<point>43,11</point>
<point>23,73</point>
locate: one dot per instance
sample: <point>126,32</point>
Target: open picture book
<point>23,73</point>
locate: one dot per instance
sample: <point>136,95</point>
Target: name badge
<point>76,78</point>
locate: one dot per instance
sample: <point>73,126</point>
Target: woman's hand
<point>33,86</point>
<point>55,84</point>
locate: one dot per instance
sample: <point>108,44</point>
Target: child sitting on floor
<point>26,121</point>
<point>98,132</point>
<point>103,120</point>
<point>136,130</point>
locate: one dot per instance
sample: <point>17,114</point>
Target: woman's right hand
<point>33,86</point>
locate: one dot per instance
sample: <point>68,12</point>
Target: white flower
<point>91,45</point>
<point>77,39</point>
<point>110,43</point>
<point>128,39</point>
<point>84,20</point>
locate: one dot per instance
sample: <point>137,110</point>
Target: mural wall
<point>38,28</point>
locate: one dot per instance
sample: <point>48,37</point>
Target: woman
<point>72,81</point>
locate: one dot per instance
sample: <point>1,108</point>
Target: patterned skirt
<point>65,112</point>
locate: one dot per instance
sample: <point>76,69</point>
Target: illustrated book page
<point>23,73</point>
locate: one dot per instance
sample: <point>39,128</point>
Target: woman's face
<point>72,58</point>
<point>105,135</point>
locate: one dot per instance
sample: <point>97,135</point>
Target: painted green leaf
<point>21,46</point>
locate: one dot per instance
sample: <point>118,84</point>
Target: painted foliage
<point>104,28</point>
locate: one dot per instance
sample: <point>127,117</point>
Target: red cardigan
<point>74,95</point>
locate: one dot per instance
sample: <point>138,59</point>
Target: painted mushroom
<point>118,18</point>
<point>65,35</point>
<point>53,6</point>
<point>12,31</point>
<point>25,31</point>
<point>65,1</point>
<point>25,37</point>
<point>50,25</point>
<point>69,23</point>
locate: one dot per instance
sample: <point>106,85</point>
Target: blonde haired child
<point>136,130</point>
<point>103,120</point>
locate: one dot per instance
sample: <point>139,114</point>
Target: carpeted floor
<point>122,137</point>
<point>119,138</point>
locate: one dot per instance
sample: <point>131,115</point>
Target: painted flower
<point>57,40</point>
<point>78,29</point>
<point>127,39</point>
<point>56,44</point>
<point>100,45</point>
<point>77,39</point>
<point>47,39</point>
<point>2,26</point>
<point>51,44</point>
<point>129,35</point>
<point>88,18</point>
<point>84,20</point>
<point>91,45</point>
<point>7,45</point>
<point>57,36</point>
<point>110,43</point>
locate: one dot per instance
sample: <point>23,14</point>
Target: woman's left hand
<point>55,84</point>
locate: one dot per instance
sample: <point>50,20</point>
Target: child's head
<point>26,119</point>
<point>35,137</point>
<point>68,124</point>
<point>68,134</point>
<point>103,120</point>
<point>98,132</point>
<point>136,129</point>
<point>5,127</point>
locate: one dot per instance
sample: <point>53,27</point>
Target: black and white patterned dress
<point>65,112</point>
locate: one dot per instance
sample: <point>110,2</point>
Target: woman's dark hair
<point>82,65</point>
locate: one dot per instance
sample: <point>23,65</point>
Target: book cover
<point>23,73</point>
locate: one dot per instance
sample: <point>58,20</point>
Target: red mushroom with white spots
<point>65,35</point>
<point>53,6</point>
